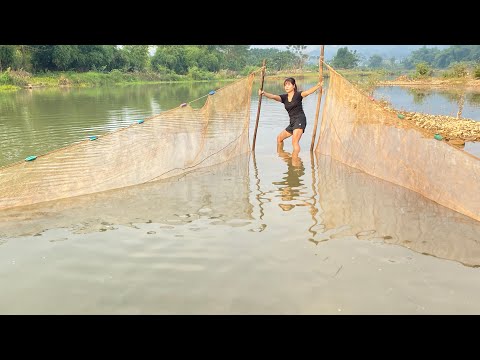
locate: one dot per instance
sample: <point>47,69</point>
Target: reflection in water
<point>418,95</point>
<point>324,202</point>
<point>461,102</point>
<point>432,101</point>
<point>34,122</point>
<point>262,260</point>
<point>473,99</point>
<point>327,201</point>
<point>371,208</point>
<point>455,96</point>
<point>218,194</point>
<point>331,200</point>
<point>260,195</point>
<point>290,188</point>
<point>293,192</point>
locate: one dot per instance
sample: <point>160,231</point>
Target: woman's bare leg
<point>297,135</point>
<point>282,136</point>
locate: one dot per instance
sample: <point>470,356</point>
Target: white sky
<point>284,47</point>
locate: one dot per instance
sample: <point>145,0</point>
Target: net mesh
<point>207,193</point>
<point>354,203</point>
<point>165,145</point>
<point>359,133</point>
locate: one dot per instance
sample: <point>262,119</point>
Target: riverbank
<point>453,130</point>
<point>467,83</point>
<point>17,80</point>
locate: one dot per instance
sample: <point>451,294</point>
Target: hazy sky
<point>315,47</point>
<point>284,47</point>
<point>397,51</point>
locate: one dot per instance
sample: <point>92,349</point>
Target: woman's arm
<point>311,90</point>
<point>268,95</point>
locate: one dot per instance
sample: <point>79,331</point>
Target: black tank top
<point>294,107</point>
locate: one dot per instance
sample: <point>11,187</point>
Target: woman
<point>293,104</point>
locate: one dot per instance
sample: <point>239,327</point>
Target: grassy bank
<point>366,79</point>
<point>434,82</point>
<point>15,80</point>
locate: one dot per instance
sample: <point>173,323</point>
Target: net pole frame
<point>320,92</point>
<point>259,105</point>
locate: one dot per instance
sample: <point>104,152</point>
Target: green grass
<point>12,80</point>
<point>6,88</point>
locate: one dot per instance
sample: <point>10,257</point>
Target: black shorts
<point>297,123</point>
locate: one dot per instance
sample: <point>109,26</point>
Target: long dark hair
<point>292,81</point>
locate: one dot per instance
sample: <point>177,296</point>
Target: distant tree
<point>375,61</point>
<point>362,60</point>
<point>276,59</point>
<point>22,57</point>
<point>461,52</point>
<point>7,56</point>
<point>407,63</point>
<point>443,58</point>
<point>476,71</point>
<point>209,62</point>
<point>424,55</point>
<point>91,57</point>
<point>202,58</point>
<point>392,61</point>
<point>458,70</point>
<point>137,56</point>
<point>234,57</point>
<point>63,56</point>
<point>423,69</point>
<point>345,59</point>
<point>171,57</point>
<point>283,60</point>
<point>119,59</point>
<point>299,52</point>
<point>42,57</point>
<point>475,53</point>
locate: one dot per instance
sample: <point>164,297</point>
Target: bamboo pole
<point>320,72</point>
<point>259,106</point>
<point>460,105</point>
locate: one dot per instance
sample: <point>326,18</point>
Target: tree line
<point>188,59</point>
<point>432,57</point>
<point>178,59</point>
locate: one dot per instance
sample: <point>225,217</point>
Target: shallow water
<point>432,101</point>
<point>436,102</point>
<point>255,235</point>
<point>248,236</point>
<point>36,121</point>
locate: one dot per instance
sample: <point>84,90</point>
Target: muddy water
<point>256,235</point>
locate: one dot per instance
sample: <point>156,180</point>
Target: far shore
<point>434,83</point>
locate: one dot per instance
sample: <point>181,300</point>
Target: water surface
<point>256,235</point>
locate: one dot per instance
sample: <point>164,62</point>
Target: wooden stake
<point>320,72</point>
<point>460,105</point>
<point>259,106</point>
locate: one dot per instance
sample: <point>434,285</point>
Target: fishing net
<point>352,202</point>
<point>358,132</point>
<point>169,144</point>
<point>208,194</point>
